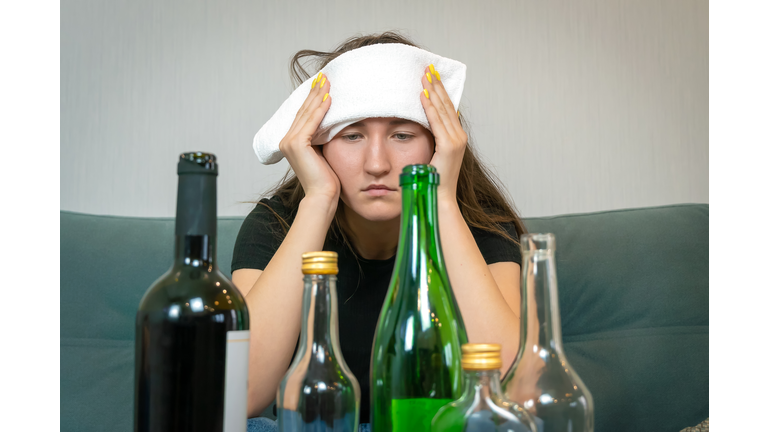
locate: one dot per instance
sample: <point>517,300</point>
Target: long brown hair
<point>480,195</point>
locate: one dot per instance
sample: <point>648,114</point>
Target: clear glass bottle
<point>542,380</point>
<point>319,392</point>
<point>192,329</point>
<point>416,359</point>
<point>482,407</point>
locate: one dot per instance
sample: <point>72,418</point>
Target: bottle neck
<point>541,315</point>
<point>419,239</point>
<point>483,386</point>
<point>196,221</point>
<point>196,251</point>
<point>320,323</point>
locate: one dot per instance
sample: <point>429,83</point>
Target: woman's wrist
<point>447,201</point>
<point>319,205</point>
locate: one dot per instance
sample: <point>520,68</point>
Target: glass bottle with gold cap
<point>319,392</point>
<point>482,407</point>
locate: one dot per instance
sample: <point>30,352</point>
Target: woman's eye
<point>351,137</point>
<point>402,137</point>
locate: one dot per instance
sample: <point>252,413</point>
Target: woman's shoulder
<point>260,234</point>
<point>495,222</point>
<point>270,217</point>
<point>495,245</point>
<point>268,210</point>
<point>507,228</point>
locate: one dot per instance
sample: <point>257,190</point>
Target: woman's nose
<point>376,159</point>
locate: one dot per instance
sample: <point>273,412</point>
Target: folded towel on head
<point>382,80</point>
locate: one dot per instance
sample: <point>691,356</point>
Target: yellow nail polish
<point>429,77</point>
<point>437,74</point>
<point>432,68</point>
<point>325,97</point>
<point>457,113</point>
<point>314,81</point>
<point>319,75</point>
<point>426,93</point>
<point>322,83</point>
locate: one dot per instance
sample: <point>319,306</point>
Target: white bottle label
<point>236,381</point>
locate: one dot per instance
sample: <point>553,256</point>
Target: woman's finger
<point>317,109</point>
<point>439,98</point>
<point>439,130</point>
<point>320,86</point>
<point>445,108</point>
<point>303,107</point>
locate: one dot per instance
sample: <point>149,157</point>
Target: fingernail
<point>325,97</point>
<point>322,83</point>
<point>429,77</point>
<point>432,68</point>
<point>319,75</point>
<point>457,113</point>
<point>437,74</point>
<point>426,93</point>
<point>314,81</point>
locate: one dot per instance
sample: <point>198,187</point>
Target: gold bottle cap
<point>321,262</point>
<point>481,356</point>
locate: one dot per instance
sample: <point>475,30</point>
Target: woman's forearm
<point>275,302</point>
<point>487,317</point>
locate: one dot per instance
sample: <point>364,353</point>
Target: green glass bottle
<point>192,330</point>
<point>416,358</point>
<point>482,407</point>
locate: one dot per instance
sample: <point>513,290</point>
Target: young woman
<point>344,196</point>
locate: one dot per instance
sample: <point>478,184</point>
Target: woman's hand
<point>450,138</point>
<point>316,176</point>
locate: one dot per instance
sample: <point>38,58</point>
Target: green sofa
<point>634,302</point>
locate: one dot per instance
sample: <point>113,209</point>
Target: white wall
<point>579,105</point>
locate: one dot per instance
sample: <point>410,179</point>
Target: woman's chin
<point>378,211</point>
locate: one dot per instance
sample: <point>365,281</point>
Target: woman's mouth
<point>378,190</point>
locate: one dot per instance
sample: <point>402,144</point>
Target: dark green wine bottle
<point>192,335</point>
<point>416,359</point>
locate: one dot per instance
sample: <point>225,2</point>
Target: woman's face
<point>368,157</point>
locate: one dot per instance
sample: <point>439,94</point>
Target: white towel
<point>382,80</point>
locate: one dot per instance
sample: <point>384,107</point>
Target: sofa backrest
<point>633,288</point>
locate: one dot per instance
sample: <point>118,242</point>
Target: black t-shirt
<point>361,286</point>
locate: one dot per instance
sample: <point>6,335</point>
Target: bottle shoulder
<point>470,411</point>
<point>192,285</point>
<point>307,367</point>
<point>552,373</point>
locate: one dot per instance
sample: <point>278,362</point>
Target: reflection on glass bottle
<point>482,407</point>
<point>416,359</point>
<point>542,380</point>
<point>319,392</point>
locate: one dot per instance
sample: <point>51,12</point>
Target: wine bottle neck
<point>319,328</point>
<point>542,312</point>
<point>196,220</point>
<point>419,224</point>
<point>196,251</point>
